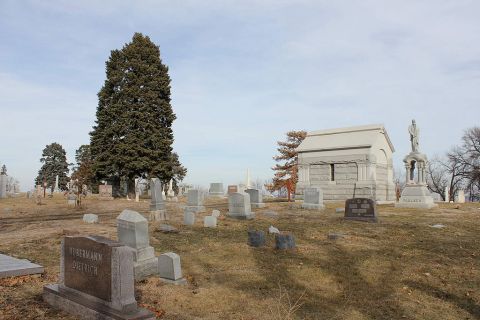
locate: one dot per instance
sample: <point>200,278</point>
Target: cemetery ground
<point>398,268</point>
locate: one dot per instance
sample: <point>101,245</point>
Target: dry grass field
<point>398,268</point>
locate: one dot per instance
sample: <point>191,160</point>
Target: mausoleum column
<point>407,173</point>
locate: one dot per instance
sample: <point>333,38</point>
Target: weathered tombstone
<point>284,240</point>
<point>3,185</point>
<point>216,189</point>
<point>132,230</point>
<point>256,238</point>
<point>90,218</point>
<point>96,280</point>
<point>256,198</point>
<point>313,199</point>
<point>461,196</point>
<point>447,195</point>
<point>71,199</point>
<point>170,269</point>
<point>13,267</point>
<point>157,205</point>
<point>56,189</point>
<point>189,218</point>
<point>195,201</point>
<point>105,192</point>
<point>232,189</point>
<point>210,222</point>
<point>362,209</point>
<point>239,206</point>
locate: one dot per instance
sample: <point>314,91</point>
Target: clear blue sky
<point>243,73</point>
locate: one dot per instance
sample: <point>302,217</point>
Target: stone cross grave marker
<point>362,209</point>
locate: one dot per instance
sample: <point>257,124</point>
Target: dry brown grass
<point>399,268</point>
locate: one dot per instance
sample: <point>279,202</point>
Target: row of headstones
<point>98,274</point>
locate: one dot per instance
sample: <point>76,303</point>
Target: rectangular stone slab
<point>12,267</point>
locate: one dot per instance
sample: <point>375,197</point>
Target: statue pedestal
<point>416,196</point>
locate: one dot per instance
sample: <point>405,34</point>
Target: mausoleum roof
<point>344,138</point>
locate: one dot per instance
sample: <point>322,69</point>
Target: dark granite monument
<point>96,280</point>
<point>362,209</point>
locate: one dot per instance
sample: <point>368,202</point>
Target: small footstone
<point>339,210</point>
<point>438,226</point>
<point>284,240</point>
<point>12,267</point>
<point>90,218</point>
<point>271,214</point>
<point>215,213</point>
<point>335,236</point>
<point>189,218</point>
<point>165,228</point>
<point>256,238</point>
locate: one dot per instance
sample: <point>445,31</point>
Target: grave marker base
<point>87,307</point>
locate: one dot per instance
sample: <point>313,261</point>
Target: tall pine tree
<point>133,133</point>
<point>54,159</point>
<point>286,173</point>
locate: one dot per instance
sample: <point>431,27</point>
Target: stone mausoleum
<point>347,163</point>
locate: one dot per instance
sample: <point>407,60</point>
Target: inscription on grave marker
<point>88,265</point>
<point>363,209</point>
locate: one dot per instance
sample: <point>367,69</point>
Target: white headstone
<point>169,268</point>
<point>312,198</point>
<point>461,196</point>
<point>189,218</point>
<point>447,195</point>
<point>90,218</point>
<point>210,222</point>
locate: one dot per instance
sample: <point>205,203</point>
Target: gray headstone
<point>3,186</point>
<point>132,231</point>
<point>157,202</point>
<point>312,199</point>
<point>13,267</point>
<point>362,209</point>
<point>170,269</point>
<point>195,200</point>
<point>256,198</point>
<point>284,240</point>
<point>96,280</point>
<point>256,238</point>
<point>216,189</point>
<point>105,192</point>
<point>189,218</point>
<point>239,206</point>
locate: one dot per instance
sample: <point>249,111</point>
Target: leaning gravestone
<point>132,230</point>
<point>195,201</point>
<point>239,206</point>
<point>313,199</point>
<point>362,209</point>
<point>96,280</point>
<point>170,269</point>
<point>157,205</point>
<point>256,198</point>
<point>105,192</point>
<point>216,189</point>
<point>13,267</point>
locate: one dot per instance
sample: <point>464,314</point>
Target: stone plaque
<point>363,209</point>
<point>105,191</point>
<point>88,265</point>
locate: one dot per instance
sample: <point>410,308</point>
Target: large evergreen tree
<point>54,159</point>
<point>286,172</point>
<point>133,133</point>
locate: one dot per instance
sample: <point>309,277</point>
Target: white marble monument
<point>415,194</point>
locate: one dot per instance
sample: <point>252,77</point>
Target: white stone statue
<point>414,132</point>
